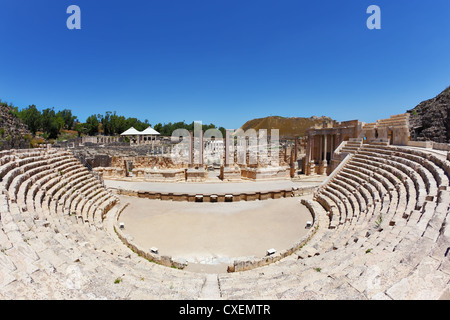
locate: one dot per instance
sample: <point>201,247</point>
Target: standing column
<point>198,137</point>
<point>311,164</point>
<point>200,150</point>
<point>228,159</point>
<point>331,146</point>
<point>292,164</point>
<point>310,145</point>
<point>320,147</point>
<point>296,149</point>
<point>191,149</point>
<point>324,161</point>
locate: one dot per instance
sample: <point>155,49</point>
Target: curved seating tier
<point>407,196</point>
<point>386,234</point>
<point>53,241</point>
<point>382,233</point>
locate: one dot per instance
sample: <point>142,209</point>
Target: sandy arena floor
<point>210,235</point>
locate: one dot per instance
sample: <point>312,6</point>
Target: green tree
<point>106,122</point>
<point>92,125</point>
<point>32,117</point>
<point>50,124</point>
<point>118,124</point>
<point>158,127</point>
<point>60,124</point>
<point>80,128</point>
<point>223,130</point>
<point>137,124</point>
<point>69,119</point>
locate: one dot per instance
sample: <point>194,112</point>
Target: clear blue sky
<point>224,61</point>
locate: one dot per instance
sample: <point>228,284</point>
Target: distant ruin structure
<point>331,141</point>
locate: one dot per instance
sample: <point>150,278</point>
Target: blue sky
<point>224,61</point>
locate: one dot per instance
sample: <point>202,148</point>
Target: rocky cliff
<point>430,120</point>
<point>14,134</point>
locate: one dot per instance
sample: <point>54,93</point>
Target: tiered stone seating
<point>395,246</point>
<point>351,147</point>
<point>47,253</point>
<point>382,233</point>
<point>410,183</point>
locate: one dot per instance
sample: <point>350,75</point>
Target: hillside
<point>289,127</point>
<point>430,120</point>
<point>13,133</point>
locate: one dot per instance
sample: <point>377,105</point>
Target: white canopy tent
<point>141,136</point>
<point>131,132</point>
<point>150,131</point>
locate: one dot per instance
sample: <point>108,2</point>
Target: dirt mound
<point>289,127</point>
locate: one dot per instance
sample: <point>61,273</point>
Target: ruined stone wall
<point>143,162</point>
<point>99,161</point>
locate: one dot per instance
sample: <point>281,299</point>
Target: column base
<point>323,168</point>
<point>311,169</point>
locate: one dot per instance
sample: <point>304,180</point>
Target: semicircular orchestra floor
<point>210,235</point>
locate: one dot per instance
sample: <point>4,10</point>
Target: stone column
<point>311,163</point>
<point>310,144</point>
<point>320,147</point>
<point>191,150</point>
<point>292,164</point>
<point>229,158</point>
<point>325,162</point>
<point>331,146</point>
<point>296,149</point>
<point>200,149</point>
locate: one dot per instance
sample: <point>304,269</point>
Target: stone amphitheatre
<point>352,211</point>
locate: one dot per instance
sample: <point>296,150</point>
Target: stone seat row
<point>438,165</point>
<point>351,146</point>
<point>433,176</point>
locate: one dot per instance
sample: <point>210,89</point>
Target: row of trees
<point>48,121</point>
<point>109,124</point>
<point>51,123</point>
<point>167,129</point>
